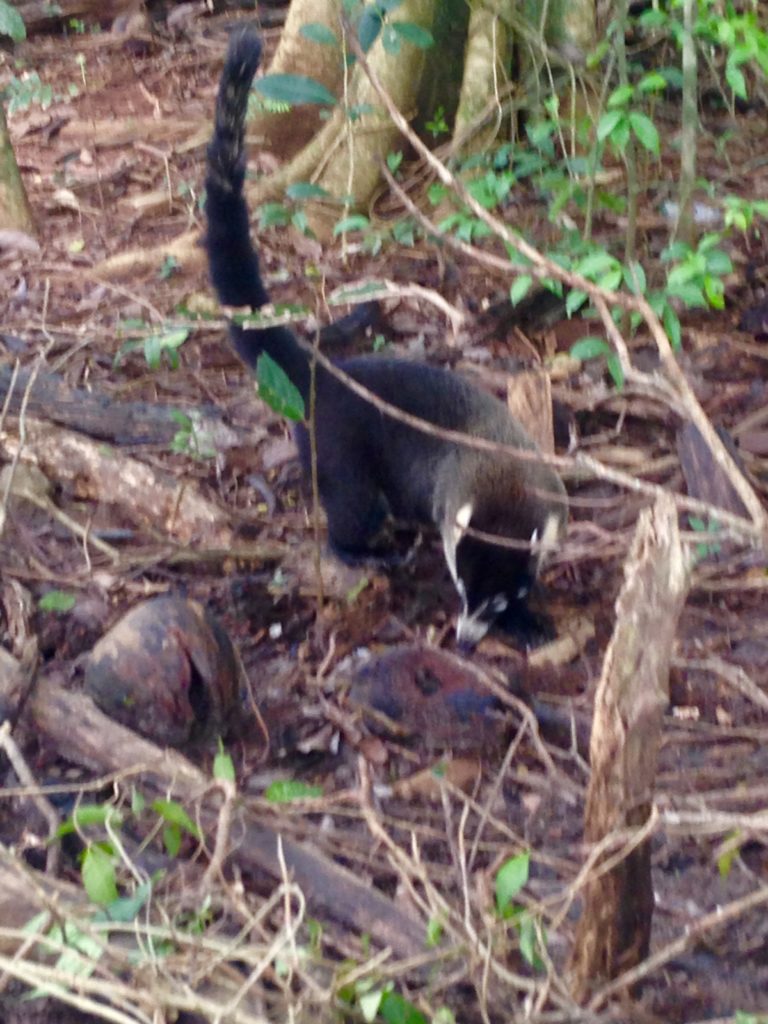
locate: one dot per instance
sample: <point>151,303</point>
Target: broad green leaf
<point>98,871</point>
<point>615,370</point>
<point>316,32</point>
<point>369,1003</point>
<point>390,40</point>
<point>620,96</point>
<point>394,1009</point>
<point>277,390</point>
<point>11,23</point>
<point>414,34</point>
<point>673,327</point>
<point>510,879</point>
<point>520,288</point>
<point>607,123</point>
<point>574,300</point>
<point>172,840</point>
<point>734,76</point>
<point>283,791</point>
<point>590,348</point>
<point>306,190</point>
<point>434,932</point>
<point>652,82</point>
<point>355,222</point>
<point>368,27</point>
<point>294,89</point>
<point>172,812</point>
<point>57,601</point>
<point>645,131</point>
<point>273,215</point>
<point>126,908</point>
<point>634,278</point>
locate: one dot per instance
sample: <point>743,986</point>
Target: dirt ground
<point>115,172</point>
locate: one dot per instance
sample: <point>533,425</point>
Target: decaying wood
<point>81,733</point>
<point>99,416</point>
<point>704,478</point>
<point>613,933</point>
<point>155,500</point>
<point>529,398</point>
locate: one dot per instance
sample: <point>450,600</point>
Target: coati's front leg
<point>357,515</point>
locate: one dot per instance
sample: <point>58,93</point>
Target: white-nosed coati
<point>370,465</point>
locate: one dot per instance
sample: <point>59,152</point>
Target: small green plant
<point>708,548</point>
<point>158,349</point>
<point>511,878</point>
<point>189,440</point>
<point>28,91</point>
<point>78,26</point>
<point>437,124</point>
<point>169,267</point>
<point>696,274</point>
<point>376,1001</point>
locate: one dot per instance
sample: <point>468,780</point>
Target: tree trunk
<point>15,211</point>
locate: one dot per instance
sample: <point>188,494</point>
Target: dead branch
<point>613,933</point>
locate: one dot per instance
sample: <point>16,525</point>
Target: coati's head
<point>493,579</point>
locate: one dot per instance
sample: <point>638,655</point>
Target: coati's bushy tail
<point>233,261</point>
<point>234,264</point>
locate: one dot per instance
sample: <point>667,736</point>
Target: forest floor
<point>113,173</point>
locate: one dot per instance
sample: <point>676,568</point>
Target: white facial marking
<point>449,550</point>
<point>552,530</point>
<point>463,517</point>
<point>470,629</point>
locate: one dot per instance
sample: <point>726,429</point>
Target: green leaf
<point>355,222</point>
<point>369,1003</point>
<point>434,932</point>
<point>307,190</point>
<point>172,812</point>
<point>607,124</point>
<point>223,765</point>
<point>673,327</point>
<point>86,815</point>
<point>394,160</point>
<point>316,32</point>
<point>127,908</point>
<point>414,34</point>
<point>157,345</point>
<point>394,1009</point>
<point>620,97</point>
<point>390,40</point>
<point>510,879</point>
<point>734,76</point>
<point>273,215</point>
<point>574,300</point>
<point>98,872</point>
<point>277,390</point>
<point>368,27</point>
<point>615,369</point>
<point>11,23</point>
<point>283,791</point>
<point>634,278</point>
<point>56,601</point>
<point>645,131</point>
<point>294,89</point>
<point>652,82</point>
<point>590,348</point>
<point>520,288</point>
<point>172,840</point>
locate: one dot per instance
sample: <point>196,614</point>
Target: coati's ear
<point>463,518</point>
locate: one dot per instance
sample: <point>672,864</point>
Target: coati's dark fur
<point>370,465</point>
